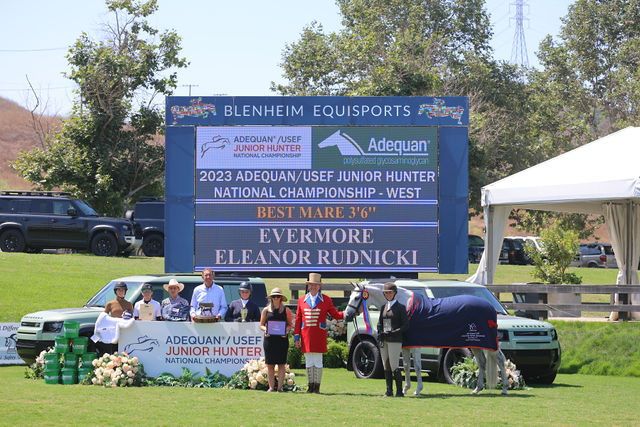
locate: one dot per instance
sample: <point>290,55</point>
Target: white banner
<point>170,346</point>
<point>8,340</point>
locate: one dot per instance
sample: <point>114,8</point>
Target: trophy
<point>206,313</point>
<point>243,314</point>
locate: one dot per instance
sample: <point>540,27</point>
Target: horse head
<point>346,144</point>
<point>355,302</point>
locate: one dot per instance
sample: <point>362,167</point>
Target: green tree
<point>559,248</point>
<point>108,151</point>
<point>590,82</point>
<point>421,48</point>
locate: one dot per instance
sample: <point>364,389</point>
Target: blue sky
<point>234,47</point>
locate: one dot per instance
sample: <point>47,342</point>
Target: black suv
<point>149,214</point>
<point>34,220</point>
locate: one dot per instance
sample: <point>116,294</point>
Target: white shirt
<point>244,302</point>
<point>390,304</point>
<point>157,308</point>
<point>214,294</point>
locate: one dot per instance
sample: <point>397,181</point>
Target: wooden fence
<point>518,290</point>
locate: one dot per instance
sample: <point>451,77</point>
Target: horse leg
<point>482,363</point>
<point>417,367</point>
<point>406,359</point>
<point>502,362</point>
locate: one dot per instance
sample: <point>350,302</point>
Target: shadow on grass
<point>437,395</point>
<point>556,385</point>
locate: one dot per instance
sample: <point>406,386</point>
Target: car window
<point>41,206</point>
<point>18,206</point>
<point>85,209</point>
<point>149,210</point>
<point>60,207</point>
<point>587,250</point>
<point>107,294</point>
<point>608,249</point>
<point>449,291</point>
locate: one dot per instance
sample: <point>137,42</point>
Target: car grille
<point>30,324</point>
<point>530,333</point>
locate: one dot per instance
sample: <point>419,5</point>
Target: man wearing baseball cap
<point>147,308</point>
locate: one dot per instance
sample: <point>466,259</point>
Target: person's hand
<point>218,317</point>
<point>382,336</point>
<point>266,335</point>
<point>298,344</point>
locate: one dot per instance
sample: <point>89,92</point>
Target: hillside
<point>17,134</point>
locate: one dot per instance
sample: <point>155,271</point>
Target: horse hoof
<point>504,392</point>
<point>418,391</point>
<point>405,390</point>
<point>475,391</point>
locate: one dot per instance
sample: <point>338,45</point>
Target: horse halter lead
<point>355,308</point>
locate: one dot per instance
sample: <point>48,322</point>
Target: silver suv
<point>595,255</point>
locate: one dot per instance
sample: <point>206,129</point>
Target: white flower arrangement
<point>254,376</point>
<point>336,328</point>
<point>116,370</point>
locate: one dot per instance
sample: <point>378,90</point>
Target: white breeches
<point>313,359</point>
<point>390,353</point>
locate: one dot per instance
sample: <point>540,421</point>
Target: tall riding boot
<point>398,377</point>
<point>388,376</point>
<point>311,379</point>
<point>318,379</point>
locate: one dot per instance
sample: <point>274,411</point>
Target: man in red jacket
<point>311,329</point>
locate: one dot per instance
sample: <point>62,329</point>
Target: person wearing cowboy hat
<point>242,306</point>
<point>311,329</point>
<point>173,307</point>
<point>275,322</point>
<point>393,321</point>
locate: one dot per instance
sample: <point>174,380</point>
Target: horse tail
<point>492,369</point>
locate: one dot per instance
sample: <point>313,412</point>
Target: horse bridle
<point>355,308</point>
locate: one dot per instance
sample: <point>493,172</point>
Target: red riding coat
<point>311,322</point>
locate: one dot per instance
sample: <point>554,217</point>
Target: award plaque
<point>276,327</point>
<point>146,311</point>
<point>386,325</point>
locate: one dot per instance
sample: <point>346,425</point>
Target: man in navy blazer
<point>235,310</point>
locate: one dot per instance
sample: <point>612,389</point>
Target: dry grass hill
<point>17,133</point>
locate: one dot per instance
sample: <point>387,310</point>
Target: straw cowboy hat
<point>277,292</point>
<point>314,279</point>
<point>173,282</point>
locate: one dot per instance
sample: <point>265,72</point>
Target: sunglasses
<point>276,296</point>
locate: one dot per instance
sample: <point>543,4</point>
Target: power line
<point>32,50</point>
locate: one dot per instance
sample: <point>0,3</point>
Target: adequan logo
<point>144,344</point>
<point>216,142</point>
<point>382,146</point>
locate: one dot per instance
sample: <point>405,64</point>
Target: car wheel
<point>544,379</point>
<point>153,246</point>
<point>104,244</point>
<point>366,361</point>
<point>592,265</point>
<point>451,357</point>
<point>12,241</point>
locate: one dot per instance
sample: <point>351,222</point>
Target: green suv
<point>531,344</point>
<point>37,331</point>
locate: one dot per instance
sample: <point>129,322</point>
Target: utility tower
<point>519,54</point>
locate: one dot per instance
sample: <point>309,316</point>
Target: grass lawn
<point>571,400</point>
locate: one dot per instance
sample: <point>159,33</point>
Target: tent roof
<point>579,180</point>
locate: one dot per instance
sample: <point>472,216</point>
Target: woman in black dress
<point>276,318</point>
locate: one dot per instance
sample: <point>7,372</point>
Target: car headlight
<point>52,327</point>
<point>554,335</point>
<point>503,335</point>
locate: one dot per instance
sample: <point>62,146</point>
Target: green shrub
<point>295,358</point>
<point>559,249</point>
<point>336,356</point>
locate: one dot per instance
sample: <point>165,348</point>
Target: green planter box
<point>62,345</point>
<point>69,376</point>
<point>79,345</point>
<point>71,328</point>
<point>71,361</point>
<point>83,372</point>
<point>52,378</point>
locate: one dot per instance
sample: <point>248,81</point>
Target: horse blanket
<point>461,321</point>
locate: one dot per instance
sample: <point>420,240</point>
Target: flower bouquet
<point>465,374</point>
<point>116,370</point>
<point>36,369</point>
<point>336,328</point>
<point>254,376</point>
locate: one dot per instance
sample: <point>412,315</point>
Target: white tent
<point>602,178</point>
